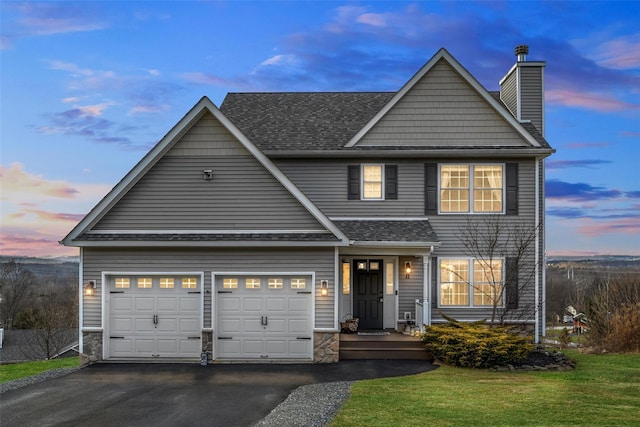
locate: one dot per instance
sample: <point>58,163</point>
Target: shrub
<point>475,345</point>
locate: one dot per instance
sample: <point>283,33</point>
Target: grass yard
<point>603,390</point>
<point>14,371</point>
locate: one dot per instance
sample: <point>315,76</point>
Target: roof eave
<point>488,152</point>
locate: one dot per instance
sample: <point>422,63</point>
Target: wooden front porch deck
<point>395,346</point>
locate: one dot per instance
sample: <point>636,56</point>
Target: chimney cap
<point>521,52</point>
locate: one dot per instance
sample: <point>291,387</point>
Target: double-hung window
<point>371,181</point>
<point>474,188</point>
<point>466,282</point>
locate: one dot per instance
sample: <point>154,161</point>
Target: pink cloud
<point>590,101</point>
<point>620,54</point>
<point>600,228</point>
<point>16,180</point>
<point>50,216</point>
<point>33,245</point>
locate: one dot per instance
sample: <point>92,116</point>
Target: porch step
<point>393,346</point>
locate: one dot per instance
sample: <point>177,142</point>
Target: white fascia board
<point>205,244</point>
<point>380,218</point>
<point>208,232</point>
<point>386,244</point>
<point>444,54</point>
<point>203,106</point>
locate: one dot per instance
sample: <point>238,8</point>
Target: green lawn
<point>14,371</point>
<point>603,390</point>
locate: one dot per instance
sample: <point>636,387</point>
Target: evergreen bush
<point>475,345</point>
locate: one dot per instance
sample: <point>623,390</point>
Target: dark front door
<point>367,298</point>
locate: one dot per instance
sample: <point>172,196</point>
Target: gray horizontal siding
<point>97,261</point>
<point>532,97</point>
<point>442,109</point>
<point>325,183</point>
<point>410,289</point>
<point>509,92</point>
<point>174,196</point>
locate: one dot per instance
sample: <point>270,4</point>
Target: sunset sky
<point>87,88</point>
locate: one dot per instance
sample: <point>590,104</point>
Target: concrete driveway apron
<point>178,394</point>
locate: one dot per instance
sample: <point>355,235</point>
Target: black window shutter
<point>353,184</point>
<point>391,182</point>
<point>431,188</point>
<point>511,179</point>
<point>511,283</point>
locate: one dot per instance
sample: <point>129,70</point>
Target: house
<point>251,230</point>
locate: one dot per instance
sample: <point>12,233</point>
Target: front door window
<point>368,293</point>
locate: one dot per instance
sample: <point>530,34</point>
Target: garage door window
<point>230,283</point>
<point>189,283</point>
<point>298,283</point>
<point>166,283</point>
<point>122,282</point>
<point>252,283</point>
<point>275,283</point>
<point>144,283</point>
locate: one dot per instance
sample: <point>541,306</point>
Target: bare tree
<point>504,251</point>
<point>52,319</point>
<point>16,288</point>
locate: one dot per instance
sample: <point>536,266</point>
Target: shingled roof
<point>300,121</point>
<point>388,231</point>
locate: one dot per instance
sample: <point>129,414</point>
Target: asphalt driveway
<point>178,394</point>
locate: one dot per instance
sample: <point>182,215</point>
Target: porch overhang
<point>388,233</point>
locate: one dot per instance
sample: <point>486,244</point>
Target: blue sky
<point>88,87</point>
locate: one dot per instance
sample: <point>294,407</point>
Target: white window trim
<point>382,183</point>
<point>470,284</point>
<point>471,188</point>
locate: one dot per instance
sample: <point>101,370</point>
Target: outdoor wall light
<point>90,287</point>
<point>207,174</point>
<point>407,270</point>
<point>324,288</point>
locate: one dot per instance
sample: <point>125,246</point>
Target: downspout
<point>537,253</point>
<point>81,303</point>
<point>426,293</point>
<point>543,253</point>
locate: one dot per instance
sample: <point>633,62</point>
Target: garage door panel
<point>298,326</point>
<point>252,325</point>
<point>167,325</point>
<point>167,304</point>
<point>230,326</point>
<point>145,346</point>
<point>145,304</point>
<point>189,326</point>
<point>299,348</point>
<point>230,304</point>
<point>154,321</point>
<point>253,348</point>
<point>189,305</point>
<point>121,303</point>
<point>276,326</point>
<point>143,325</point>
<point>253,304</point>
<point>168,346</point>
<point>277,348</point>
<point>121,325</point>
<point>270,319</point>
<point>299,304</point>
<point>276,305</point>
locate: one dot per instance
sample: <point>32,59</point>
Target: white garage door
<point>264,317</point>
<point>154,317</point>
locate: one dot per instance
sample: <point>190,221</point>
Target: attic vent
<point>521,52</point>
<point>207,174</point>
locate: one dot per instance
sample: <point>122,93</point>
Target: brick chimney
<point>522,89</point>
